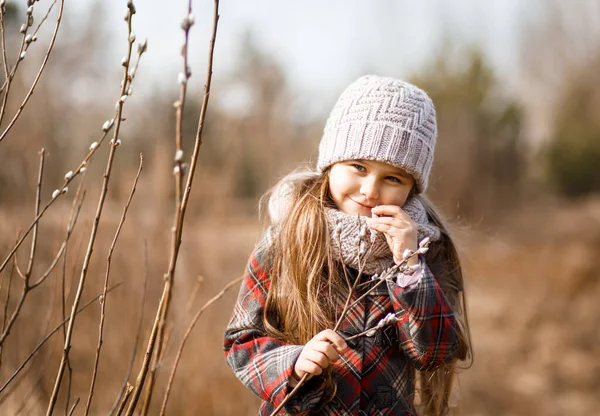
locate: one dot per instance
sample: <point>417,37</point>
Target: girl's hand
<point>318,353</point>
<point>399,230</point>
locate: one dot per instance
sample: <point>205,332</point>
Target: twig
<point>137,335</point>
<point>37,211</point>
<point>27,275</point>
<point>125,398</point>
<point>186,336</point>
<point>147,356</point>
<point>368,331</point>
<point>108,126</point>
<point>68,179</point>
<point>347,307</point>
<point>34,386</point>
<point>39,74</point>
<point>63,302</point>
<point>73,217</point>
<point>104,191</point>
<point>20,56</point>
<point>27,287</point>
<point>178,173</point>
<point>40,372</point>
<point>4,58</point>
<point>103,299</point>
<point>26,44</point>
<point>6,302</point>
<point>180,214</point>
<point>167,340</point>
<point>47,337</point>
<point>74,406</point>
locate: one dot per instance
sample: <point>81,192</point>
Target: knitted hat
<point>382,119</point>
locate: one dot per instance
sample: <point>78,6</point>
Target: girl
<point>317,266</point>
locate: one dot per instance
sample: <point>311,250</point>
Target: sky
<point>322,46</point>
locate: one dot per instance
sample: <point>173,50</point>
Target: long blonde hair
<point>301,269</point>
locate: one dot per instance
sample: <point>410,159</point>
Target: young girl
<point>373,167</point>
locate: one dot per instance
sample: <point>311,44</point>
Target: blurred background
<point>517,172</point>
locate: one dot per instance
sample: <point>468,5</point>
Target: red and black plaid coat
<point>375,376</point>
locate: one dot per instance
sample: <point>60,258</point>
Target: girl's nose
<point>370,188</point>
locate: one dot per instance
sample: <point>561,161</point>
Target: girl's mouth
<point>362,205</point>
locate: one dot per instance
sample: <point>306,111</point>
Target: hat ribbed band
<point>382,119</point>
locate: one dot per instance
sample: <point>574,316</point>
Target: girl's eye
<point>359,168</point>
<point>394,179</point>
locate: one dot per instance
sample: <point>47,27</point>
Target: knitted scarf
<point>355,244</point>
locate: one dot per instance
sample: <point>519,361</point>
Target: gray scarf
<point>355,244</point>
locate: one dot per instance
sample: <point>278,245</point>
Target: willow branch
<point>63,303</point>
<point>107,128</point>
<point>27,287</point>
<point>6,302</point>
<point>33,39</point>
<point>104,191</point>
<point>137,337</point>
<point>40,371</point>
<point>147,356</point>
<point>186,336</point>
<point>63,190</point>
<point>103,298</point>
<point>47,337</point>
<point>39,74</point>
<point>126,396</point>
<point>347,307</point>
<point>37,211</point>
<point>27,275</point>
<point>20,56</point>
<point>74,406</point>
<point>180,213</point>
<point>4,58</point>
<point>178,172</point>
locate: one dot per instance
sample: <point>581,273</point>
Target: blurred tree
<point>480,155</point>
<point>559,56</point>
<point>572,157</point>
<point>260,122</point>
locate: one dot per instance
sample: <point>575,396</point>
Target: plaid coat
<point>375,376</point>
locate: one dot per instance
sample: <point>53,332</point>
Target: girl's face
<point>356,186</point>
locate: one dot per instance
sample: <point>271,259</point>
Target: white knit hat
<point>383,119</point>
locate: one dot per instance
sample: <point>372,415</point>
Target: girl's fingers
<point>317,357</point>
<point>390,222</point>
<point>304,365</point>
<point>327,349</point>
<point>334,338</point>
<point>390,211</point>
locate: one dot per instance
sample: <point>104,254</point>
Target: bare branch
<point>75,210</point>
<point>33,37</point>
<point>39,372</point>
<point>74,406</point>
<point>37,211</point>
<point>137,335</point>
<point>181,205</point>
<point>186,336</point>
<point>4,58</point>
<point>348,306</point>
<point>147,356</point>
<point>27,287</point>
<point>63,304</point>
<point>6,302</point>
<point>38,76</point>
<point>103,299</point>
<point>125,398</point>
<point>47,337</point>
<point>114,144</point>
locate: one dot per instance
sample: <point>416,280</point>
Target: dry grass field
<point>533,285</point>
